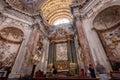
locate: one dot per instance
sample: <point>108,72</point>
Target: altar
<point>62,52</point>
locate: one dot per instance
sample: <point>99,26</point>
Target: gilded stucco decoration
<point>107,18</point>
<point>56,9</point>
<point>60,35</point>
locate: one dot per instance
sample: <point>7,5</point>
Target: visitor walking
<point>101,70</point>
<point>92,71</point>
<point>82,73</point>
<point>54,72</point>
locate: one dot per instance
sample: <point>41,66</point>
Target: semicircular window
<point>61,21</point>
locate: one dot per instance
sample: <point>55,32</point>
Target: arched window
<point>61,21</point>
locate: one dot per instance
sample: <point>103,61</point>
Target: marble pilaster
<point>16,70</point>
<point>97,51</point>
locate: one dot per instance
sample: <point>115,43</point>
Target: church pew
<point>67,78</point>
<point>115,75</point>
<point>3,78</point>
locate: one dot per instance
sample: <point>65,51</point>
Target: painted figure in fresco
<point>25,5</point>
<point>92,71</point>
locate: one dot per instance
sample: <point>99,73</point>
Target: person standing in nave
<point>82,73</point>
<point>54,72</point>
<point>101,70</point>
<point>116,65</point>
<point>92,71</point>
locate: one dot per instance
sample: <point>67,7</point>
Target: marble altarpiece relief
<point>61,52</point>
<point>10,40</point>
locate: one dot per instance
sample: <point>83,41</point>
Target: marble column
<point>44,59</point>
<point>73,51</point>
<point>83,42</point>
<point>46,49</point>
<point>78,53</point>
<point>51,55</point>
<point>69,52</point>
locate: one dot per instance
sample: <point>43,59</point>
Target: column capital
<point>76,12</point>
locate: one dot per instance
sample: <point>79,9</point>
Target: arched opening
<point>107,24</point>
<point>10,41</point>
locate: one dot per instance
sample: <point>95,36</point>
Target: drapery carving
<point>60,34</point>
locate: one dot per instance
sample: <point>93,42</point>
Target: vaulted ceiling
<point>51,9</point>
<point>56,9</point>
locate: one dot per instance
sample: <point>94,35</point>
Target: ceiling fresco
<point>28,6</point>
<point>56,9</point>
<point>51,9</point>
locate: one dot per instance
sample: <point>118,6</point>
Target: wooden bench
<point>65,78</point>
<point>115,75</point>
<point>3,78</point>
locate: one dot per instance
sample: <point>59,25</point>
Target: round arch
<point>107,5</point>
<point>107,17</point>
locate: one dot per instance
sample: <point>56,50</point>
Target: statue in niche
<point>38,51</point>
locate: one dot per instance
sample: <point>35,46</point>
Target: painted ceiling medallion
<point>27,6</point>
<point>11,34</point>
